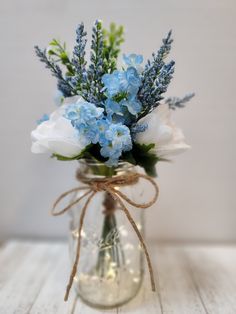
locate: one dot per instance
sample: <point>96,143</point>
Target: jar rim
<point>92,162</point>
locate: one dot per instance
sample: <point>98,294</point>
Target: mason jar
<point>110,269</point>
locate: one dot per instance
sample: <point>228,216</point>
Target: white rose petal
<point>162,132</point>
<point>57,135</point>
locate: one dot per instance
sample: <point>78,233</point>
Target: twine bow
<point>108,184</point>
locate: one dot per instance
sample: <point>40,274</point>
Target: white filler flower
<point>162,132</point>
<point>57,136</point>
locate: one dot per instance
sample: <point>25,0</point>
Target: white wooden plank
<point>82,308</point>
<point>51,297</point>
<point>177,290</point>
<point>225,255</point>
<point>191,280</point>
<point>11,257</point>
<point>215,278</point>
<point>22,288</point>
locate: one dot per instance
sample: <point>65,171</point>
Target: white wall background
<point>198,199</point>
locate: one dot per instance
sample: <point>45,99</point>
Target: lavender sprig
<point>79,62</point>
<point>161,84</point>
<point>156,77</point>
<point>153,68</point>
<point>176,102</point>
<point>96,67</point>
<point>138,128</point>
<point>63,85</point>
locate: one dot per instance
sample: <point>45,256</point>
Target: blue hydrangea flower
<point>84,117</point>
<point>119,140</point>
<point>45,117</point>
<point>83,113</point>
<point>94,133</point>
<point>133,80</point>
<point>112,153</point>
<point>133,60</point>
<point>133,105</point>
<point>119,134</point>
<point>122,81</point>
<point>101,127</point>
<point>112,106</point>
<point>112,82</point>
<point>118,112</point>
<point>86,133</point>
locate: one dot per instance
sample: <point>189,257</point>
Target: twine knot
<point>108,184</point>
<point>98,186</point>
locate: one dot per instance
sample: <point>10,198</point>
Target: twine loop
<point>110,185</point>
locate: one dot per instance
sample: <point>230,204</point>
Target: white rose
<point>162,132</point>
<point>56,136</point>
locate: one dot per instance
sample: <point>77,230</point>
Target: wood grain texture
<point>190,279</point>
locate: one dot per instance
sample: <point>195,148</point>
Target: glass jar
<point>110,269</point>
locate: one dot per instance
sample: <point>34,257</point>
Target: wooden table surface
<point>190,278</point>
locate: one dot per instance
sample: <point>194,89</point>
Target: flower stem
<point>111,255</point>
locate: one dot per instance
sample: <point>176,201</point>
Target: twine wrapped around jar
<point>107,184</point>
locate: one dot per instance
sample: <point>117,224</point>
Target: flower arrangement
<point>105,113</point>
<point>110,116</point>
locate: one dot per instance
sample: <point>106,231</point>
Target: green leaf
<point>59,50</point>
<point>51,53</point>
<point>83,154</point>
<point>113,38</point>
<point>94,152</point>
<point>120,96</point>
<point>63,158</point>
<point>143,147</point>
<point>142,156</point>
<point>128,156</point>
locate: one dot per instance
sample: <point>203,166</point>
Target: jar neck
<point>93,168</point>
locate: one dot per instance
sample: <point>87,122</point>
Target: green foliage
<point>139,156</point>
<point>62,158</point>
<point>83,154</point>
<point>120,96</point>
<point>91,152</point>
<point>113,38</point>
<point>58,50</point>
<point>142,156</point>
<point>94,152</point>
